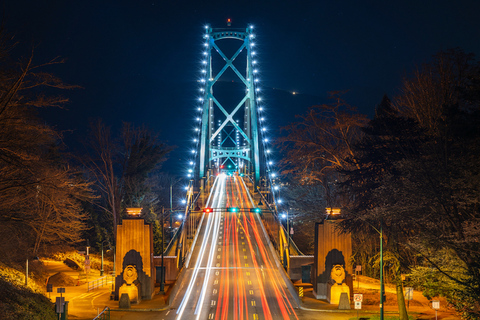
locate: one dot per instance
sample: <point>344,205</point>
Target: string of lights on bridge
<point>260,110</point>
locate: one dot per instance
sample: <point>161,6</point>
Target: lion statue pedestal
<point>131,284</point>
<point>336,285</point>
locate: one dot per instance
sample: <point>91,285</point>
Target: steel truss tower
<point>228,60</point>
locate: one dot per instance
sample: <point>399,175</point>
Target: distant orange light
<point>134,212</point>
<point>333,210</point>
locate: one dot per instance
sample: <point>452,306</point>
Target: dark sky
<point>138,60</point>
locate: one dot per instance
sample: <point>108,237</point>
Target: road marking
<point>255,316</point>
<point>249,282</point>
<point>218,265</point>
<point>217,273</point>
<point>219,249</point>
<point>215,282</point>
<point>218,256</point>
<point>211,316</point>
<point>248,273</point>
<point>246,265</point>
<point>214,291</point>
<point>214,302</point>
<point>253,303</point>
<point>244,249</point>
<point>243,243</point>
<point>242,238</point>
<point>251,292</point>
<point>245,257</point>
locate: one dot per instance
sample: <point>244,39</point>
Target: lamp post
<point>101,270</point>
<point>287,249</point>
<point>171,200</point>
<point>381,270</point>
<point>162,277</point>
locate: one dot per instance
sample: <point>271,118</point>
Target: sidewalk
<point>85,304</point>
<point>419,307</point>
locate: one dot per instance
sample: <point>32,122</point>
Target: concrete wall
<point>296,263</point>
<point>170,264</point>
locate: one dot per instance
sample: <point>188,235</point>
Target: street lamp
<point>162,277</point>
<point>287,249</point>
<point>101,270</point>
<point>171,200</point>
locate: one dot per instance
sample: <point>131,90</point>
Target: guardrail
<point>104,315</point>
<point>100,282</point>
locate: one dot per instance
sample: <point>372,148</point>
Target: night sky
<point>138,61</point>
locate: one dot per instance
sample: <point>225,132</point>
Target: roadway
<point>232,273</point>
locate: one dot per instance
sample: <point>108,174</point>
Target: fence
<point>100,282</point>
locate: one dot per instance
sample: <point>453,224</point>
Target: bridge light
<point>191,162</point>
<point>180,216</point>
<point>276,188</point>
<point>184,201</point>
<point>279,200</point>
<point>232,209</point>
<point>270,163</point>
<point>207,210</point>
<point>263,129</point>
<point>273,174</point>
<point>190,170</point>
<point>283,216</point>
<point>193,151</point>
<point>261,108</point>
<point>256,210</point>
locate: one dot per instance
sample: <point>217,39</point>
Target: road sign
<point>408,293</point>
<point>436,304</point>
<point>358,268</point>
<point>49,287</point>
<point>358,305</point>
<point>59,304</point>
<point>60,290</point>
<point>358,297</point>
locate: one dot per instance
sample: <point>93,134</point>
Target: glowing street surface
<point>232,273</point>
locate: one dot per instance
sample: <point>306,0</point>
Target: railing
<point>104,315</point>
<point>100,282</point>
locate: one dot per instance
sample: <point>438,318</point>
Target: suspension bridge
<point>232,251</point>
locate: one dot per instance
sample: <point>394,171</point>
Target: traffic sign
<point>358,297</point>
<point>358,305</point>
<point>408,293</point>
<point>436,304</point>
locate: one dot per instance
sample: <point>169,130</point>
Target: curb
<point>142,310</point>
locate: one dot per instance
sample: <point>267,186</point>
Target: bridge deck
<point>232,272</point>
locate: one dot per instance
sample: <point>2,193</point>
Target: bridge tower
<point>229,137</point>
